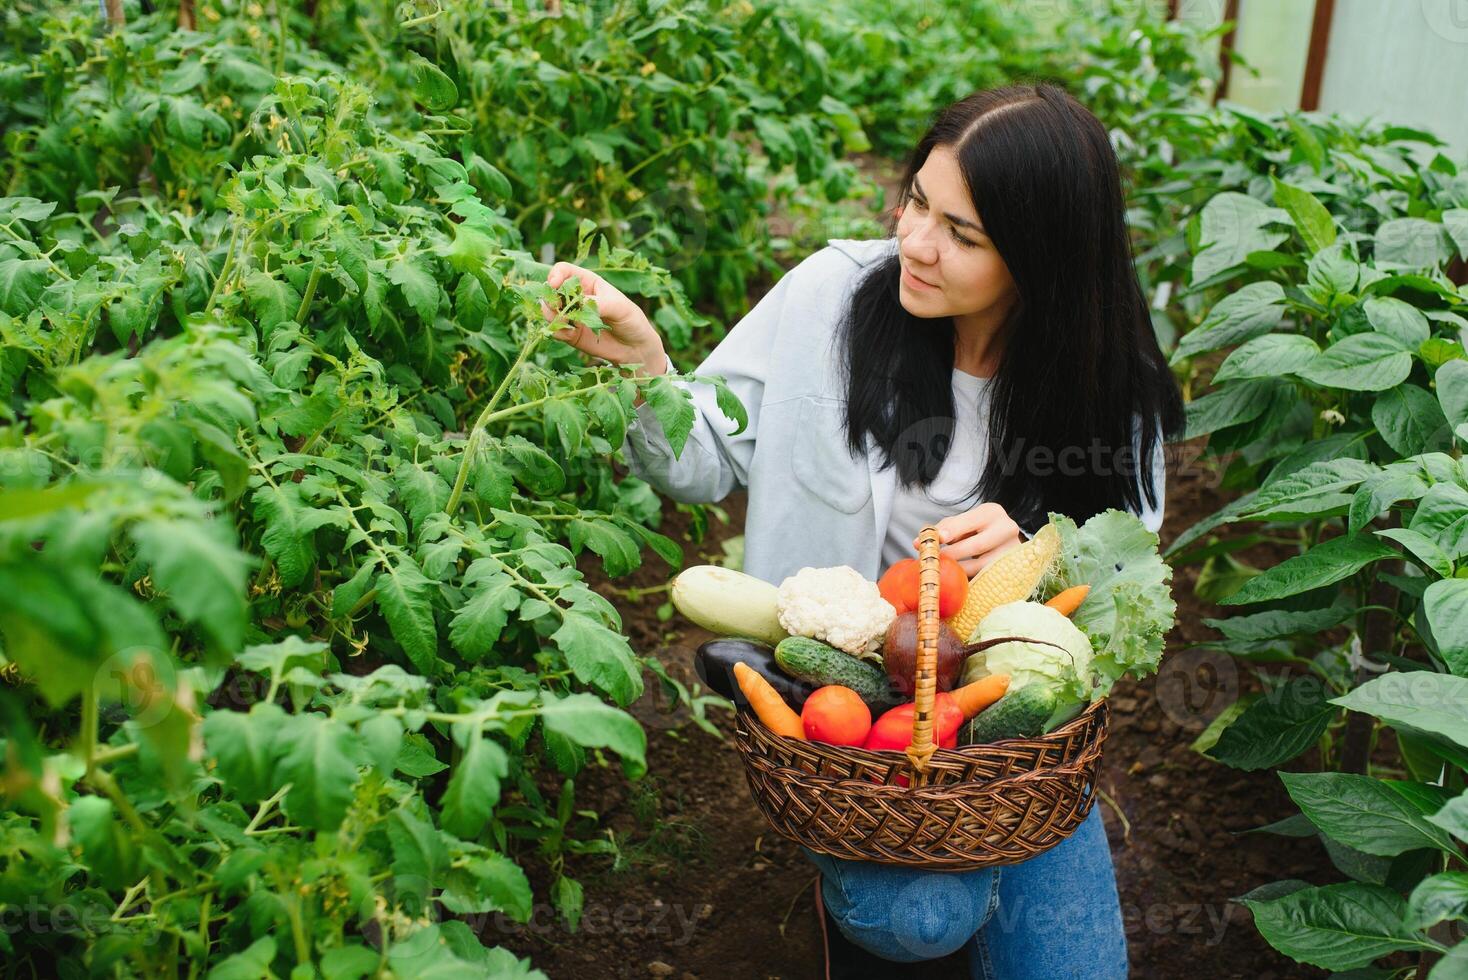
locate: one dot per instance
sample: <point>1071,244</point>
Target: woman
<point>990,363</point>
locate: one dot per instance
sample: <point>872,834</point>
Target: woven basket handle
<point>926,679</point>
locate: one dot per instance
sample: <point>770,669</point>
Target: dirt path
<point>710,892</point>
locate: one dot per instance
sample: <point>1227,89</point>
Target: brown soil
<point>708,891</point>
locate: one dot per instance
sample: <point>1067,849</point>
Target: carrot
<point>770,708</point>
<point>975,697</point>
<point>1070,600</point>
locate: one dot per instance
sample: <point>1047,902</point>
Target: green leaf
<point>1375,816</point>
<point>529,464</point>
<point>1442,514</point>
<point>404,597</point>
<point>251,963</point>
<point>1327,479</point>
<point>1249,312</point>
<point>280,658</point>
<point>1445,604</point>
<point>1361,362</point>
<point>610,417</point>
<point>1129,607</point>
<point>474,788</point>
<point>1409,419</point>
<point>1276,623</point>
<point>481,619</point>
<point>318,765</point>
<point>565,423</point>
<point>598,656</point>
<point>1233,404</point>
<point>1311,218</point>
<point>567,896</point>
<point>1451,381</point>
<point>1438,898</point>
<point>1231,226</point>
<point>1410,243</point>
<point>420,854</point>
<point>618,549</point>
<point>272,300</point>
<point>1379,491</point>
<point>1335,927</point>
<point>1420,545</point>
<point>672,405</point>
<point>418,285</point>
<point>1398,320</point>
<point>349,593</point>
<point>1269,356</point>
<point>1419,699</point>
<point>21,283</point>
<point>432,87</point>
<point>590,722</point>
<point>243,747</point>
<point>1324,564</point>
<point>201,571</point>
<point>423,491</point>
<point>290,523</point>
<point>1277,726</point>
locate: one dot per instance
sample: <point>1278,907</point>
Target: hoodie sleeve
<point>714,461</point>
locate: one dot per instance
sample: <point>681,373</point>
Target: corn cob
<point>1011,577</point>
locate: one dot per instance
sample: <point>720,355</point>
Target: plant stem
<point>476,433</point>
<point>310,292</point>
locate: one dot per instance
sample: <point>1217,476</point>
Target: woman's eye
<point>918,204</point>
<point>961,240</point>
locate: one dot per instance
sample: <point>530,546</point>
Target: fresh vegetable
<point>714,663</point>
<point>728,603</point>
<point>1130,607</point>
<point>899,655</point>
<point>1011,577</point>
<point>836,714</point>
<point>1022,713</point>
<point>836,605</point>
<point>899,586</point>
<point>1068,601</point>
<point>976,697</point>
<point>893,730</point>
<point>818,664</point>
<point>1038,646</point>
<point>767,704</point>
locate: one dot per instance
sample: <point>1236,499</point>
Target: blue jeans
<point>1054,916</point>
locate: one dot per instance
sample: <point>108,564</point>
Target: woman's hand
<point>630,338</point>
<point>976,537</point>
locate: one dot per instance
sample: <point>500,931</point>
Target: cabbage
<point>1065,667</point>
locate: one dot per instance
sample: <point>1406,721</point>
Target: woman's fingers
<point>950,529</point>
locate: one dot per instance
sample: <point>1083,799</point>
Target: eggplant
<point>714,664</point>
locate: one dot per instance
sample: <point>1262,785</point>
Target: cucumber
<point>820,664</point>
<point>1019,714</point>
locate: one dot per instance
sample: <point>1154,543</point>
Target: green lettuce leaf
<point>1130,607</point>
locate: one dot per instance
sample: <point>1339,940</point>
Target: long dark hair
<point>1080,358</point>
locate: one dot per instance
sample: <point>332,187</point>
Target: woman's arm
<point>714,460</point>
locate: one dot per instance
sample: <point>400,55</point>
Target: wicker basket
<point>964,808</point>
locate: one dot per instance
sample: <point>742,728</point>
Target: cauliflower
<point>837,606</point>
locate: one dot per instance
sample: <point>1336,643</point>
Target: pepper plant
<point>1342,404</point>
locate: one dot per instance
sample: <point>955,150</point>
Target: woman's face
<point>949,266</point>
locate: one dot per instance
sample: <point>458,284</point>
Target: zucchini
<point>820,664</point>
<point>1019,714</point>
<point>714,664</point>
<point>728,603</point>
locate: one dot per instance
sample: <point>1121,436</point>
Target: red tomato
<point>952,587</point>
<point>836,714</point>
<point>899,586</point>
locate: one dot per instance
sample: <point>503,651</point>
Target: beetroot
<point>899,655</point>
